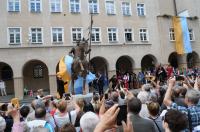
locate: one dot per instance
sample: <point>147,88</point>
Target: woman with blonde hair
<point>154,109</point>
<point>62,116</point>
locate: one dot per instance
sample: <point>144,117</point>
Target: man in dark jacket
<point>100,82</point>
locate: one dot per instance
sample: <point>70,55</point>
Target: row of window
<point>36,35</point>
<point>172,36</point>
<point>75,6</point>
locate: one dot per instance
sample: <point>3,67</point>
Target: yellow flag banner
<point>63,74</point>
<point>178,34</point>
<point>183,44</point>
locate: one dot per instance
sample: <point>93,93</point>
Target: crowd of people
<point>162,73</point>
<point>164,104</point>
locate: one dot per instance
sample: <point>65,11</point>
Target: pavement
<point>26,99</point>
<point>6,99</point>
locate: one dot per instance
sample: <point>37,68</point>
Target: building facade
<point>127,36</point>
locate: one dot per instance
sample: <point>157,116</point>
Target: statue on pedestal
<point>80,65</point>
<point>74,69</point>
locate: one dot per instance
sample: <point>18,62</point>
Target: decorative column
<point>182,61</point>
<point>18,87</point>
<point>52,84</point>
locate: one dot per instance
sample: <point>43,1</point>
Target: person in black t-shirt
<point>60,86</point>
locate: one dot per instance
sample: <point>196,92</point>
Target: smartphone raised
<point>122,115</point>
<point>106,96</point>
<point>180,78</point>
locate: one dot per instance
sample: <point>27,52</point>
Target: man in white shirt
<point>3,88</point>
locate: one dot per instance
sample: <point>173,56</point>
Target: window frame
<point>61,9</point>
<point>57,42</point>
<point>36,69</point>
<point>114,5</point>
<point>117,39</point>
<point>130,9</point>
<point>99,35</point>
<point>76,33</point>
<point>76,11</point>
<point>193,35</point>
<point>8,36</point>
<point>35,43</point>
<point>132,35</point>
<point>170,33</point>
<point>14,7</point>
<point>147,35</point>
<point>35,7</point>
<point>144,10</point>
<point>97,8</point>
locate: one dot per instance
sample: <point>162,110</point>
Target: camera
<point>106,96</point>
<point>67,96</point>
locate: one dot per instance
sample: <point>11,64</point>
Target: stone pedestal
<point>18,87</point>
<point>52,84</point>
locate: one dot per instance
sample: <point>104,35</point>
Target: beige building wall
<point>165,23</point>
<point>158,28</point>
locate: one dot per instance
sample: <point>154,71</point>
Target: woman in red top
<point>169,71</point>
<point>53,107</point>
<point>126,80</point>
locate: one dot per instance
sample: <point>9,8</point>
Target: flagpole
<point>175,8</point>
<point>91,23</point>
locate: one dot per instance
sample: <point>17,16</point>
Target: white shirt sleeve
<point>73,116</point>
